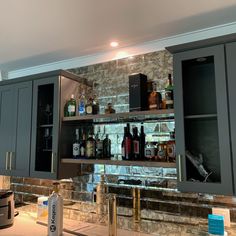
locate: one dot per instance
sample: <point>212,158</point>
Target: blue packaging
<point>216,224</point>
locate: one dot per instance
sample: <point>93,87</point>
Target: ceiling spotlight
<point>114,44</point>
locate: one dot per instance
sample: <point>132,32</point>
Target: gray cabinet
<point>15,128</point>
<point>231,75</point>
<point>45,128</point>
<point>49,97</point>
<point>202,122</point>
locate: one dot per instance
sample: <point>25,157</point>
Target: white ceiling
<point>36,32</point>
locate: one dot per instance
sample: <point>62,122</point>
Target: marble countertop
<point>25,224</point>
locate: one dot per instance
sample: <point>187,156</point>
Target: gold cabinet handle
<point>10,157</point>
<point>52,163</point>
<point>179,168</point>
<point>7,155</point>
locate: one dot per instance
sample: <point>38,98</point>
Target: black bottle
<point>142,143</point>
<point>107,147</point>
<point>136,144</point>
<point>127,144</point>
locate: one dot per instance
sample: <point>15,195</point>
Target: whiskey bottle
<point>89,107</point>
<point>154,99</point>
<point>71,107</point>
<point>90,147</point>
<point>76,145</point>
<point>136,144</point>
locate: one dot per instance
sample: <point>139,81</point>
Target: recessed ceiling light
<point>114,44</point>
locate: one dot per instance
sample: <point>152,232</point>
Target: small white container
<point>42,214</point>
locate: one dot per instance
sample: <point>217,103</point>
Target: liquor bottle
<point>71,107</point>
<point>142,143</point>
<point>89,106</point>
<point>55,212</point>
<point>136,144</point>
<point>82,102</point>
<point>90,147</point>
<point>170,148</point>
<point>66,109</point>
<point>154,99</point>
<point>76,145</point>
<point>95,105</point>
<point>169,94</point>
<point>127,144</point>
<point>83,146</point>
<point>107,147</point>
<point>99,145</point>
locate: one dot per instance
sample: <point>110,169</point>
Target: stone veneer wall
<point>160,201</point>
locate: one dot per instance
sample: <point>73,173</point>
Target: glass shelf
<point>119,162</point>
<point>124,117</point>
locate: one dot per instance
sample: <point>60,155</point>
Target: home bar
<point>139,145</point>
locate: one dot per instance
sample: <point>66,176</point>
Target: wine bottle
<point>76,145</point>
<point>107,147</point>
<point>142,143</point>
<point>127,143</point>
<point>136,144</point>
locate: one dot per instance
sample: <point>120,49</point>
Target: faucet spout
<point>112,215</point>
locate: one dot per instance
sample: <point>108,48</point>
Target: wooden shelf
<point>135,115</point>
<point>120,163</point>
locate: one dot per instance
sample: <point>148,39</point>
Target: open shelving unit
<point>136,116</point>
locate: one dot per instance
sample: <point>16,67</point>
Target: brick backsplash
<point>160,200</point>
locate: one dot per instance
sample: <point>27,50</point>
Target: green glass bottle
<point>71,106</point>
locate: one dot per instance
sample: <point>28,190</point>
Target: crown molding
<point>147,47</point>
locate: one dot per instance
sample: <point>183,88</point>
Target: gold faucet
<point>136,205</point>
<point>112,215</point>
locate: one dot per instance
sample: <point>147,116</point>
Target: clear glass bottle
<point>82,102</point>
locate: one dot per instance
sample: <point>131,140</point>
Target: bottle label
<point>75,149</point>
<point>171,150</point>
<point>150,152</point>
<point>136,147</point>
<point>127,146</point>
<point>123,151</point>
<point>81,108</point>
<point>71,108</point>
<point>82,151</point>
<point>90,149</point>
<point>99,148</point>
<point>89,109</point>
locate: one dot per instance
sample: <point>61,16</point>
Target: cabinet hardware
<point>10,157</point>
<point>52,163</point>
<point>179,168</point>
<point>7,155</point>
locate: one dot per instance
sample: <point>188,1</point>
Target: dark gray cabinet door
<point>15,128</point>
<point>202,126</point>
<point>45,128</point>
<point>231,71</point>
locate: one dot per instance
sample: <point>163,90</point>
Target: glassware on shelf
<point>47,137</point>
<point>48,113</point>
